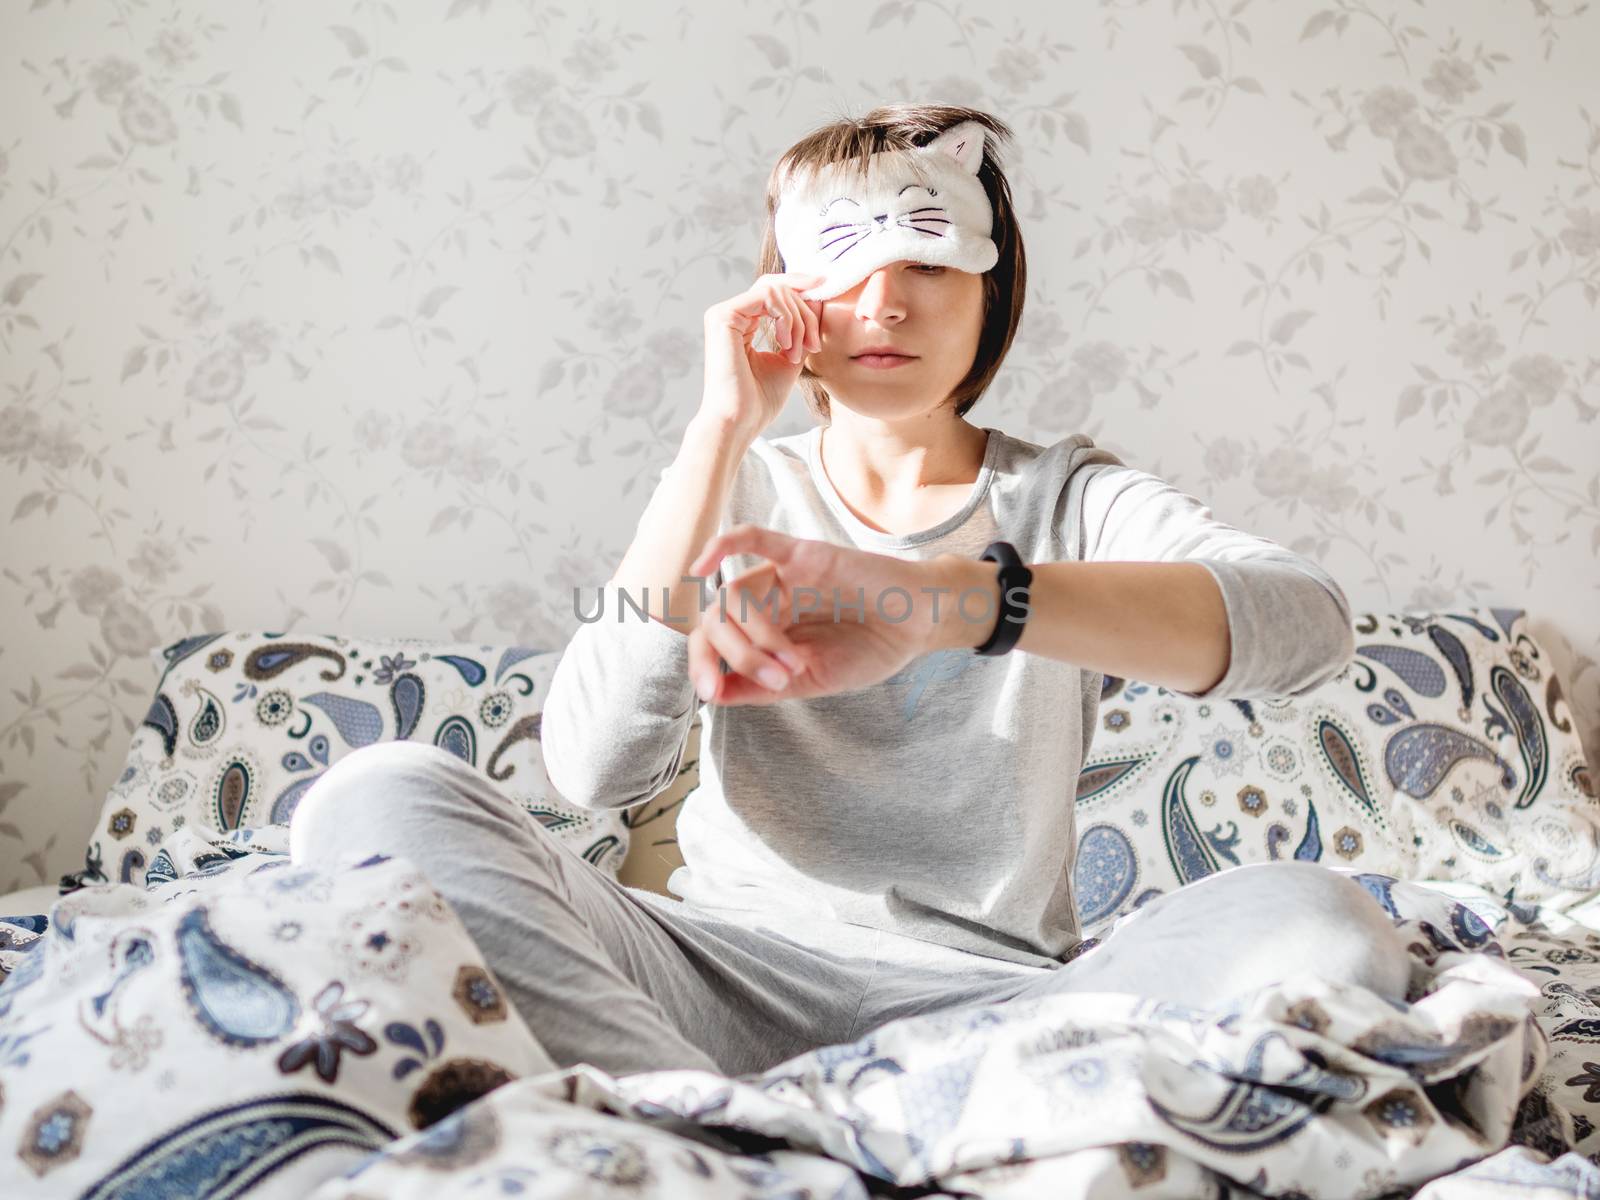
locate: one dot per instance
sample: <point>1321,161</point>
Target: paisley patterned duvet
<point>201,1038</point>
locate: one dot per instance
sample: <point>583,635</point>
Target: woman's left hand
<point>866,644</point>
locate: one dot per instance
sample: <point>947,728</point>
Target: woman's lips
<point>881,362</point>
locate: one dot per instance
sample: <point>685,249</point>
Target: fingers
<point>749,634</point>
<point>774,297</point>
<point>704,671</point>
<point>750,648</point>
<point>755,607</point>
<point>811,339</point>
<point>733,642</point>
<point>752,303</point>
<point>795,320</point>
<point>744,539</point>
<point>759,610</point>
<point>794,326</point>
<point>715,687</point>
<point>780,313</point>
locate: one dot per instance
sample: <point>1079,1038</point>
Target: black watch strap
<point>1015,579</point>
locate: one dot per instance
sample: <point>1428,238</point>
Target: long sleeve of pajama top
<point>937,804</point>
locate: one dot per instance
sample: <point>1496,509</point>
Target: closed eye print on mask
<point>928,219</point>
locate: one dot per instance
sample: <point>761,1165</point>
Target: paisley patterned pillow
<point>254,1027</point>
<point>242,724</point>
<point>1445,750</point>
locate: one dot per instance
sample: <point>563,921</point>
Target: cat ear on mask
<point>963,142</point>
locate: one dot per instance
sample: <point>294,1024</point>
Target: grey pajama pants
<point>630,980</point>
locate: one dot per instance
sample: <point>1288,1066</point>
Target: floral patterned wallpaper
<point>382,318</point>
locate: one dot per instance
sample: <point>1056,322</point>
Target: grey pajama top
<point>937,804</point>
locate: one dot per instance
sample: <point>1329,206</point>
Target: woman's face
<point>933,314</point>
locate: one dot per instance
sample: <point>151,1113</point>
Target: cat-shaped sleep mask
<point>832,222</point>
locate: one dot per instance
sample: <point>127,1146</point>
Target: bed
<point>196,1015</point>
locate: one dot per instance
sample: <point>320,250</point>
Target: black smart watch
<point>1015,579</point>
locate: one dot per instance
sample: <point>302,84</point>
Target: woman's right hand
<point>750,386</point>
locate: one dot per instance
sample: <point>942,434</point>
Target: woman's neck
<point>882,466</point>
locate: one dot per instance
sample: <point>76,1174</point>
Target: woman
<point>884,827</point>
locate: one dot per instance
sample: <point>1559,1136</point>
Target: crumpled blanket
<point>1303,1088</point>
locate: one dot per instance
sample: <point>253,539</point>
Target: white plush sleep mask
<point>832,222</point>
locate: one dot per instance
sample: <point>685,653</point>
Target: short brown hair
<point>894,128</point>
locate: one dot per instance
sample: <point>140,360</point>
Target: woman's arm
<point>1244,617</point>
<point>681,517</point>
<point>1166,623</point>
<point>616,721</point>
<point>1160,623</point>
<point>1289,625</point>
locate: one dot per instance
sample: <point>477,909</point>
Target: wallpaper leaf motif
<point>386,322</point>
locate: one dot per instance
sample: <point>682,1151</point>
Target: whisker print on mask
<point>855,237</point>
<point>858,237</point>
<point>908,220</point>
<point>916,223</point>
